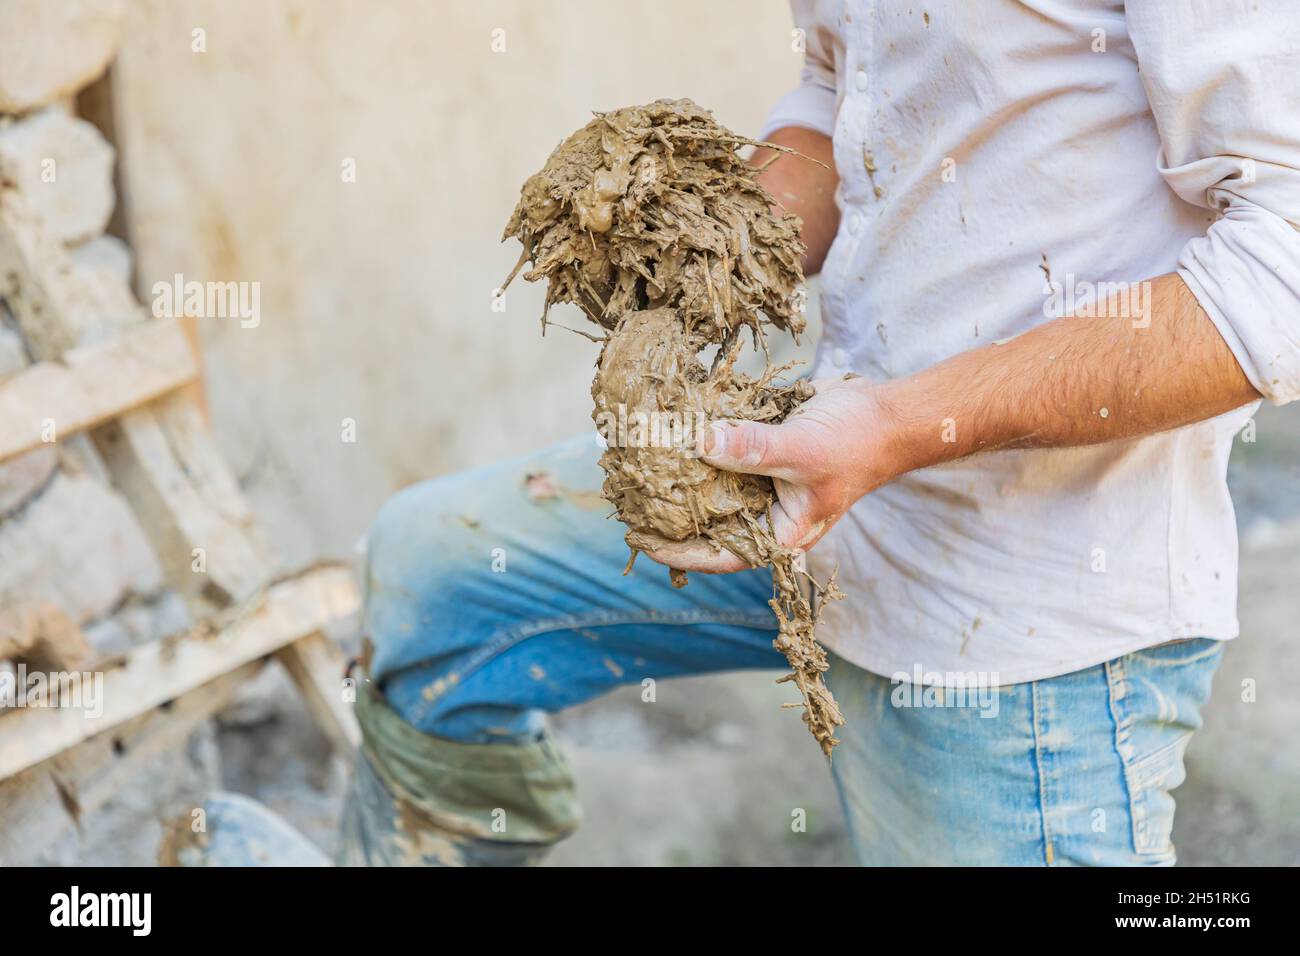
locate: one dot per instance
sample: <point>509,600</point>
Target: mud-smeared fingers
<point>699,555</point>
<point>751,448</point>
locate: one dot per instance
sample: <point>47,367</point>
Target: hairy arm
<point>1072,381</point>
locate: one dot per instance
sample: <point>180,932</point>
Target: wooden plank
<point>163,460</point>
<point>155,673</point>
<point>41,802</point>
<point>34,279</point>
<point>316,666</point>
<point>91,385</point>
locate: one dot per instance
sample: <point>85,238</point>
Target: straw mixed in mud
<point>648,220</point>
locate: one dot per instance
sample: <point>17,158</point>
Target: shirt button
<point>861,81</point>
<point>840,358</point>
<point>854,223</point>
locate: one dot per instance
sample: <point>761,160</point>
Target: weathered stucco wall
<point>375,305</point>
<point>376,295</point>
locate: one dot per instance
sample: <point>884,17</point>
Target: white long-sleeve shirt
<point>1000,161</point>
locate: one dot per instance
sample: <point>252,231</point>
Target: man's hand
<point>829,453</point>
<point>1073,381</point>
<point>792,455</point>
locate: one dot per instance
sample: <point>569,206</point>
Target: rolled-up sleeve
<point>1223,80</point>
<point>811,104</point>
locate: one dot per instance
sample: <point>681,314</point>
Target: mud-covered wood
<point>316,666</point>
<point>41,803</point>
<point>163,460</point>
<point>155,673</point>
<point>88,386</point>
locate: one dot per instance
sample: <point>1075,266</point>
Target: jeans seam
<point>1116,691</point>
<point>505,639</point>
<point>1048,853</point>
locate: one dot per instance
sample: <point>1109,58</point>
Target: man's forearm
<point>1072,381</point>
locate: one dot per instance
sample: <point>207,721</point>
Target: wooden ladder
<point>133,393</point>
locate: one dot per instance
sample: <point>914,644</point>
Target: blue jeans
<point>498,595</point>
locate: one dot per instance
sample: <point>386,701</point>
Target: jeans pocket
<point>1151,805</point>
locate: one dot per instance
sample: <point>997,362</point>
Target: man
<point>1059,250</point>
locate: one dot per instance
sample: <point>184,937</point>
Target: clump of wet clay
<point>648,220</point>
